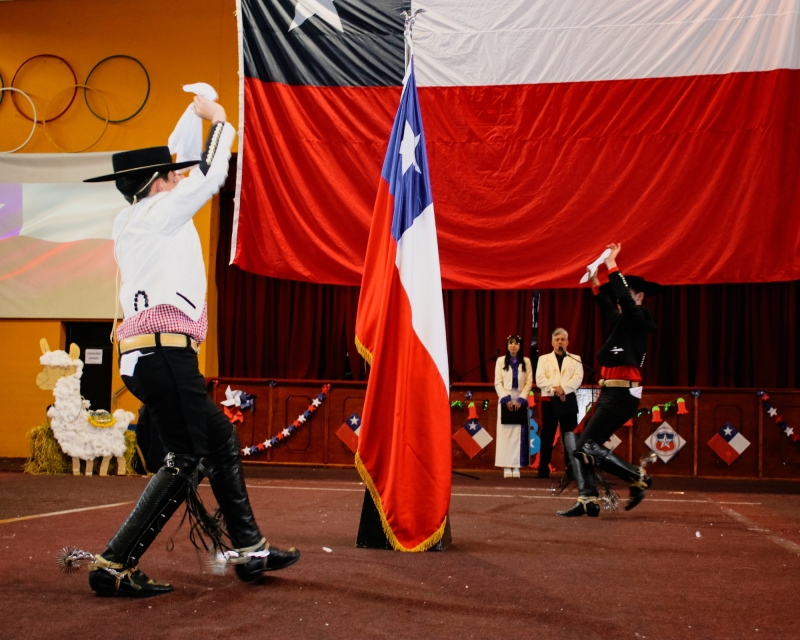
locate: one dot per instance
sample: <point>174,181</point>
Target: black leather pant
<point>191,426</point>
<point>614,408</point>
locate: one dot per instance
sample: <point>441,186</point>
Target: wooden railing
<point>771,454</point>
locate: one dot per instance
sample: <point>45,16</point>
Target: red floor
<point>514,569</point>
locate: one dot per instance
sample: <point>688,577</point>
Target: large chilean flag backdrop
<point>404,453</point>
<point>556,126</point>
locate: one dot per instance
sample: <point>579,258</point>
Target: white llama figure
<point>70,417</point>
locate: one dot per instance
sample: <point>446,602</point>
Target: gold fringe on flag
<point>363,351</point>
<point>396,544</point>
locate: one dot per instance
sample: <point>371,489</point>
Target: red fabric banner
<point>736,335</point>
<point>693,175</point>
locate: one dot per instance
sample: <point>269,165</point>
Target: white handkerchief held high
<point>187,139</point>
<point>593,267</point>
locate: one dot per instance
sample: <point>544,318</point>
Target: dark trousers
<point>614,407</point>
<point>549,425</point>
<point>191,426</point>
<point>169,382</point>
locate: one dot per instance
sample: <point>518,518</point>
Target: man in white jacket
<point>558,375</point>
<point>163,297</point>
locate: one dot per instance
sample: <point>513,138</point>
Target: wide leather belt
<point>148,340</point>
<point>628,384</point>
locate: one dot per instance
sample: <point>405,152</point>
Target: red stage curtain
<point>726,335</point>
<point>737,335</point>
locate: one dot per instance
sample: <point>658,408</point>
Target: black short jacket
<point>627,343</point>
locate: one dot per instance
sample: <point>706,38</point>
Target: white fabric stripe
<point>506,42</point>
<point>417,262</point>
<point>54,167</point>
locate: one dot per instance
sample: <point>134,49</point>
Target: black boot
<point>115,571</point>
<point>262,557</point>
<point>589,506</point>
<point>638,490</point>
<point>588,501</point>
<point>636,477</point>
<point>226,476</point>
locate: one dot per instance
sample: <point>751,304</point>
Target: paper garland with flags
<point>301,420</point>
<point>775,414</point>
<point>404,452</point>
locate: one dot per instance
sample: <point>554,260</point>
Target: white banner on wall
<point>56,252</point>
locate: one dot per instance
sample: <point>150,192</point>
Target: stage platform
<point>697,559</point>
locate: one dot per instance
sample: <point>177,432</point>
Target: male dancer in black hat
<point>621,357</point>
<point>163,298</point>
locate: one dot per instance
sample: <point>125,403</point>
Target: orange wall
<point>179,42</point>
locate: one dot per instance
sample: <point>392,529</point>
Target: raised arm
<point>607,307</point>
<point>176,208</point>
<point>624,295</point>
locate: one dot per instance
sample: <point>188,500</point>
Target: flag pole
<point>403,509</point>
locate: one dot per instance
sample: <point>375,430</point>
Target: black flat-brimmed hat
<point>637,283</point>
<point>142,162</point>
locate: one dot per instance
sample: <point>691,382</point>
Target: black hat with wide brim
<point>637,283</point>
<point>142,162</point>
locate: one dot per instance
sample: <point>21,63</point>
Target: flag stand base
<point>370,530</point>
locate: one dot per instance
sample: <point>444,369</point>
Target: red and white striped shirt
<point>164,318</point>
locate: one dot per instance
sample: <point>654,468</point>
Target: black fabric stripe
<point>369,53</point>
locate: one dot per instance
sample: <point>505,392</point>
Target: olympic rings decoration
<point>85,86</point>
<point>146,95</point>
<point>45,120</point>
<point>74,79</point>
<point>3,89</point>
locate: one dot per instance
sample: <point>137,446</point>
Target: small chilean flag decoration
<point>728,443</point>
<point>472,438</point>
<point>404,454</point>
<point>348,432</point>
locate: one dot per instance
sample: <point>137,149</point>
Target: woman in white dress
<point>513,379</point>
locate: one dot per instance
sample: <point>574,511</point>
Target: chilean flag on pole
<point>404,446</point>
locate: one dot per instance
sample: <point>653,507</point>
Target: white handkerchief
<point>186,141</point>
<point>127,363</point>
<point>593,267</point>
<point>636,392</point>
